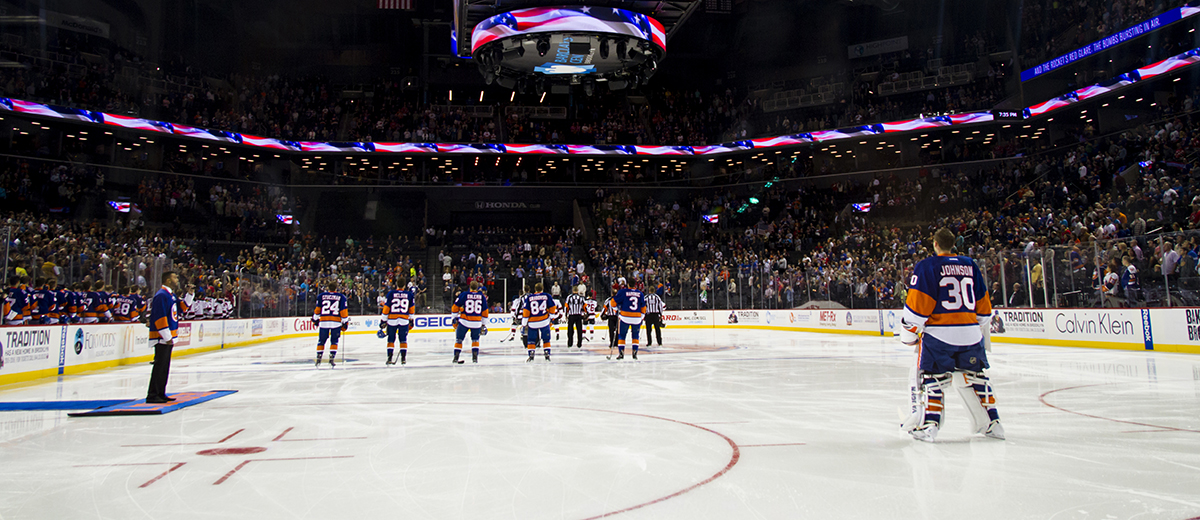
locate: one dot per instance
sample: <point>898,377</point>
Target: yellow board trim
<point>34,377</point>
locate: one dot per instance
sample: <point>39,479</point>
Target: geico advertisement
<point>421,322</point>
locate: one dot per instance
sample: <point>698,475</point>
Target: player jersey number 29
<point>961,292</point>
<point>399,304</point>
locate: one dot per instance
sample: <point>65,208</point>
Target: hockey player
<point>539,307</point>
<point>557,317</point>
<point>139,303</point>
<point>630,306</point>
<point>95,305</point>
<point>575,311</point>
<point>398,308</point>
<point>515,327</point>
<point>77,302</point>
<point>589,306</point>
<point>16,302</point>
<point>612,318</point>
<point>332,316</point>
<point>62,302</point>
<point>124,307</point>
<point>469,310</point>
<point>948,312</point>
<point>41,301</point>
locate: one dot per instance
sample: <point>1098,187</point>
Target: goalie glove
<point>909,334</point>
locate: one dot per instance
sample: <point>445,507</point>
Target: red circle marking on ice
<point>735,455</point>
<point>231,451</point>
<point>1042,398</point>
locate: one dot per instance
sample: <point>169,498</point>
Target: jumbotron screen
<point>568,19</point>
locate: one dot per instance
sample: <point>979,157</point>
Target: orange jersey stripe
<point>953,318</point>
<point>983,307</point>
<point>920,302</point>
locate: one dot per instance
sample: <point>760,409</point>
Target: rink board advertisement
<point>1096,328</point>
<point>36,351</point>
<point>32,352</point>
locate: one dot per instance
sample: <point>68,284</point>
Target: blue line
<point>59,405</point>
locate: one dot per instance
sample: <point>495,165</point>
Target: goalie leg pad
<point>929,405</point>
<point>976,391</point>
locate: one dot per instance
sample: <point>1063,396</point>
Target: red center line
<point>127,464</point>
<point>248,461</point>
<point>163,474</point>
<point>1042,398</point>
<point>323,439</point>
<point>767,445</point>
<point>230,436</point>
<point>280,438</point>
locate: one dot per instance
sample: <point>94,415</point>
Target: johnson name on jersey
<point>948,298</point>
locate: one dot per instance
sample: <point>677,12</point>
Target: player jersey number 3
<point>633,302</point>
<point>960,291</point>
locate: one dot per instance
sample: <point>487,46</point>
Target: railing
<point>1153,270</point>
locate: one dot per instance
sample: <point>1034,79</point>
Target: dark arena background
<point>766,174</point>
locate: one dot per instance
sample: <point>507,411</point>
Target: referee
<point>654,310</point>
<point>575,312</point>
<point>609,313</point>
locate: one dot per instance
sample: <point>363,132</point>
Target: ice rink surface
<point>723,424</point>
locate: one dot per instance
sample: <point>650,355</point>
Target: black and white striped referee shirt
<point>654,304</point>
<point>575,304</point>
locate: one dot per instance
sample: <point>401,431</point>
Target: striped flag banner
<point>396,4</point>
